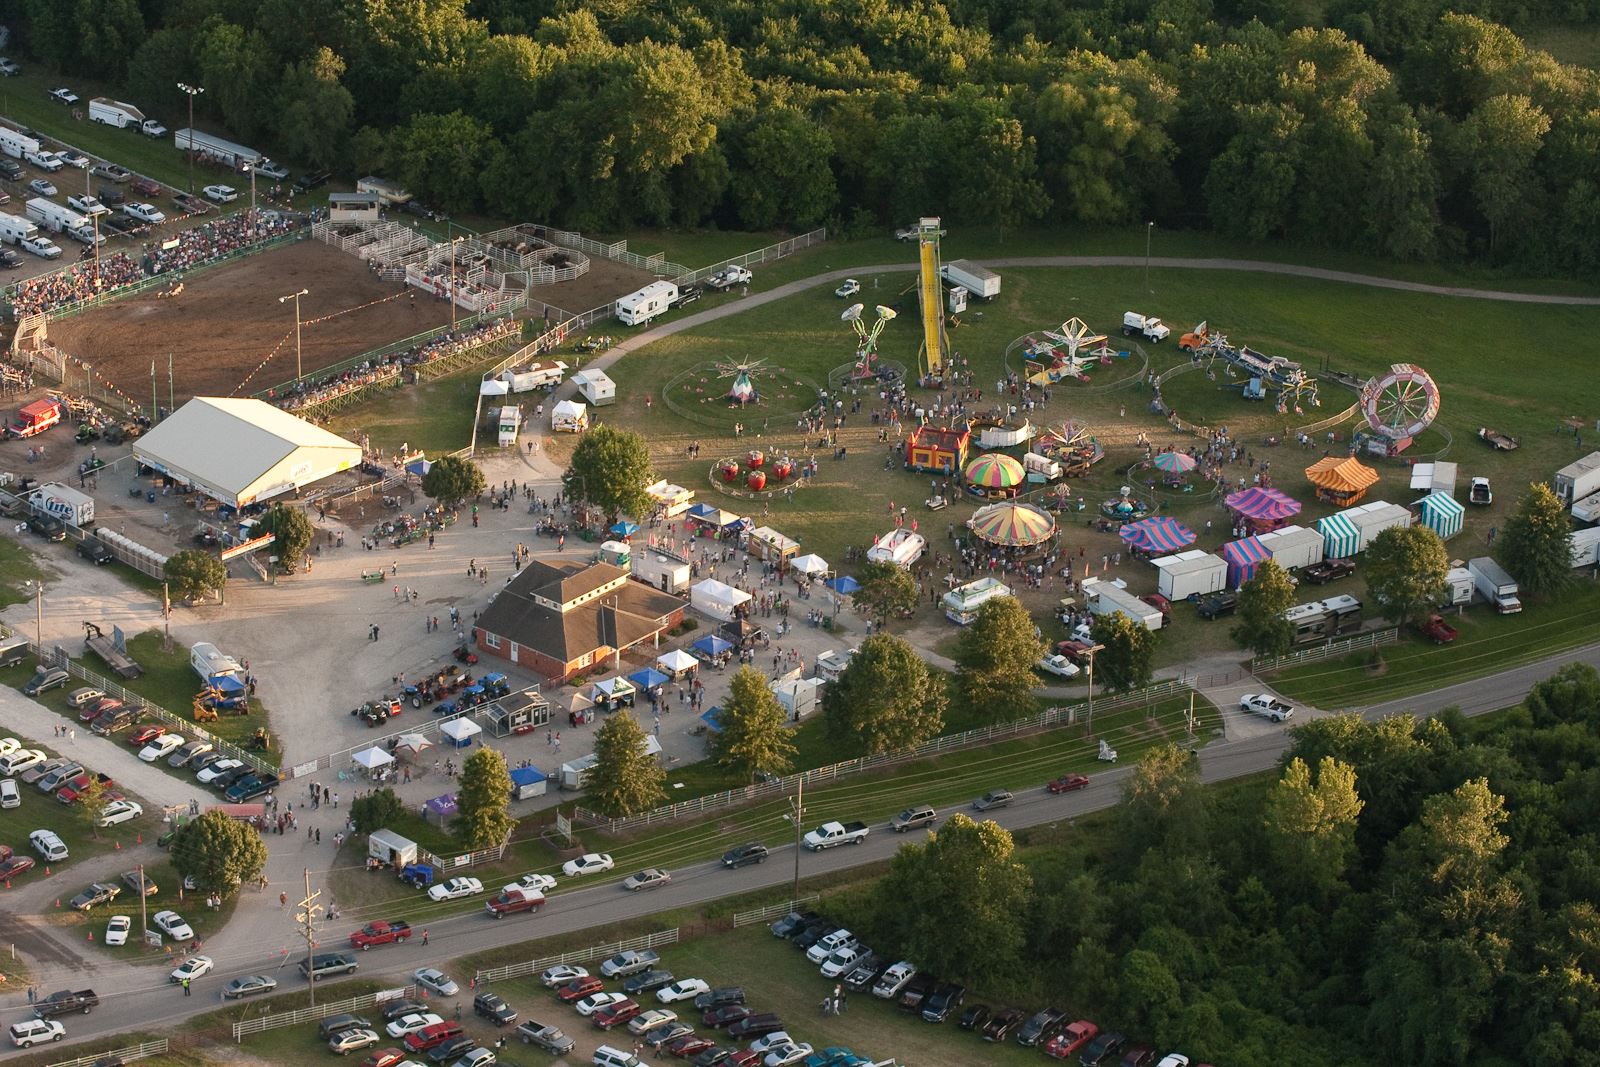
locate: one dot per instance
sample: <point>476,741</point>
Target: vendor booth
<point>810,564</point>
<point>1437,476</point>
<point>647,679</point>
<point>410,746</point>
<point>1187,574</point>
<point>657,567</point>
<point>596,387</point>
<point>676,663</point>
<point>390,849</point>
<point>1244,557</point>
<point>459,733</point>
<point>440,810</point>
<point>374,762</point>
<point>518,713</point>
<point>798,696</point>
<point>961,604</point>
<point>1341,480</point>
<point>711,646</point>
<point>768,544</point>
<point>717,599</point>
<point>1262,509</point>
<point>670,500</point>
<point>1156,535</point>
<point>612,693</point>
<point>527,783</point>
<point>569,416</point>
<point>1441,513</point>
<point>1293,547</point>
<point>572,773</point>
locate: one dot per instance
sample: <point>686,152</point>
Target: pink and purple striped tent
<point>1243,557</point>
<point>1157,535</point>
<point>1265,509</point>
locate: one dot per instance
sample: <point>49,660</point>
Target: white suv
<point>36,1032</point>
<point>49,845</point>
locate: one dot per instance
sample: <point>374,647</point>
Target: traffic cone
<point>58,899</point>
<point>117,846</point>
<point>138,839</point>
<point>47,874</point>
<point>91,935</point>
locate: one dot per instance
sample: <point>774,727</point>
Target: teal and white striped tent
<point>1340,537</point>
<point>1441,513</point>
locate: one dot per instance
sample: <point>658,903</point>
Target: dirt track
<point>226,321</point>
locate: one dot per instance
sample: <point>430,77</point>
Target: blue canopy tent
<point>648,678</point>
<point>440,809</point>
<point>624,528</point>
<point>527,782</point>
<point>713,719</point>
<point>419,466</point>
<point>843,584</point>
<point>703,510</point>
<point>712,645</point>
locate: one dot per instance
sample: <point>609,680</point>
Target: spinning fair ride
<point>1399,404</point>
<point>867,338</point>
<point>743,390</point>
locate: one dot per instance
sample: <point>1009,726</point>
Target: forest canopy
<point>1396,127</point>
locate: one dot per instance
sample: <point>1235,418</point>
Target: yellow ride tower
<point>930,293</point>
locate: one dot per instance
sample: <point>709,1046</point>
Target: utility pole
<point>170,401</point>
<point>296,298</point>
<point>797,810</point>
<point>1089,728</point>
<point>155,408</point>
<point>307,918</point>
<point>192,91</point>
<point>144,919</point>
<point>453,242</point>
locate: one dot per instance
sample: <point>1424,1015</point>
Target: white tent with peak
<point>810,563</point>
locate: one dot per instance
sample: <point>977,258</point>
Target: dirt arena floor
<point>226,322</point>
<point>606,281</point>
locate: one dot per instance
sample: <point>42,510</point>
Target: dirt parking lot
<point>227,321</point>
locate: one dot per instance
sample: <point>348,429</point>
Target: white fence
<point>142,1051</point>
<point>656,264</point>
<point>771,912</point>
<point>585,955</point>
<point>760,255</point>
<point>1331,650</point>
<point>949,743</point>
<point>262,1023</point>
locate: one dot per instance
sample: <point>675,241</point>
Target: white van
<point>9,796</point>
<point>37,1032</point>
<point>606,1056</point>
<point>47,844</point>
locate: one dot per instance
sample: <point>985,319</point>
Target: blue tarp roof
<point>702,509</point>
<point>843,584</point>
<point>648,678</point>
<point>526,775</point>
<point>712,645</point>
<point>625,528</point>
<point>225,684</point>
<point>711,717</point>
<point>419,467</point>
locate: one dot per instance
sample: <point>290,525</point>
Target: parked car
<point>352,1040</point>
<point>161,746</point>
<point>1267,706</point>
<point>192,968</point>
<point>1138,1056</point>
<point>650,1018</point>
<point>942,1001</point>
<point>549,1038</point>
<point>850,288</point>
<point>744,855</point>
<point>396,1009</point>
<point>221,194</point>
<point>313,180</point>
<point>1071,1038</point>
<point>172,924</point>
<point>249,986</point>
<point>42,187</point>
<point>144,213</point>
<point>117,928</point>
<point>1217,605</point>
<point>98,893</point>
<point>916,992</point>
<point>455,889</point>
<point>1067,783</point>
<point>755,1026</point>
<point>726,1015</point>
<point>1329,570</point>
<point>867,970</point>
<point>615,1015</point>
<point>791,922</point>
<point>1102,1049</point>
<point>592,863</point>
<point>73,158</point>
<point>1041,1027</point>
<point>1058,665</point>
<point>326,964</point>
<point>994,798</point>
<point>647,982</point>
<point>578,988</point>
<point>720,997</point>
<point>650,878</point>
<point>597,1002</point>
<point>45,677</point>
<point>827,946</point>
<point>630,962</point>
<point>435,981</point>
<point>683,989</point>
<point>83,696</point>
<point>64,96</point>
<point>24,759</point>
<point>975,1017</point>
<point>411,1024</point>
<point>111,172</point>
<point>493,1007</point>
<point>140,884</point>
<point>894,980</point>
<point>10,793</point>
<point>561,974</point>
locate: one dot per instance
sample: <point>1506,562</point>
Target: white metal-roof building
<point>239,452</point>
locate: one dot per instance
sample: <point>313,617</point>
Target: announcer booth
<point>353,207</point>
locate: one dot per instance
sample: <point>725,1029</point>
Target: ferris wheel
<point>1400,403</point>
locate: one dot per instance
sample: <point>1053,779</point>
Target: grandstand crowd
<point>204,244</point>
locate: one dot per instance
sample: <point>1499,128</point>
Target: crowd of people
<point>76,283</point>
<point>213,240</point>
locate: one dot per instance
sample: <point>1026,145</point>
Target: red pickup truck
<point>380,933</point>
<point>514,898</point>
<point>1437,630</point>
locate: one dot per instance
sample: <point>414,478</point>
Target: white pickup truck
<point>830,834</point>
<point>728,277</point>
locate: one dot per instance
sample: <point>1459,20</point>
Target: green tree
<point>314,110</point>
<point>1406,568</point>
<point>219,853</point>
<point>293,532</point>
<point>960,901</point>
<point>751,737</point>
<point>1506,133</point>
<point>625,779</point>
<point>437,156</point>
<point>788,181</point>
<point>91,803</point>
<point>108,32</point>
<point>1262,628</point>
<point>1401,201</point>
<point>886,590</point>
<point>1536,544</point>
<point>239,75</point>
<point>886,699</point>
<point>195,575</point>
<point>453,479</point>
<point>1311,825</point>
<point>375,810</point>
<point>1126,659</point>
<point>1162,804</point>
<point>609,469</point>
<point>995,657</point>
<point>166,58</point>
<point>483,800</point>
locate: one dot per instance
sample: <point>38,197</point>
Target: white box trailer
<point>1457,587</point>
<point>1105,598</point>
<point>510,425</point>
<point>961,604</point>
<point>1192,573</point>
<point>1587,509</point>
<point>657,567</point>
<point>646,304</point>
<point>545,374</point>
<point>1578,479</point>
<point>235,155</point>
<point>1586,546</point>
<point>65,503</point>
<point>124,117</point>
<point>1374,518</point>
<point>16,144</point>
<point>572,773</point>
<point>53,216</point>
<point>596,387</point>
<point>979,281</point>
<point>390,849</point>
<point>797,696</point>
<point>1293,547</point>
<point>1496,586</point>
<point>670,500</point>
<point>14,230</point>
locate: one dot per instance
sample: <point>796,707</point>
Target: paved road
<point>133,1003</point>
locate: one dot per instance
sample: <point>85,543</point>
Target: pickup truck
<point>512,899</point>
<point>1217,605</point>
<point>913,817</point>
<point>380,933</point>
<point>728,277</point>
<point>830,834</point>
<point>549,1038</point>
<point>66,1001</point>
<point>1437,630</point>
<point>1329,570</point>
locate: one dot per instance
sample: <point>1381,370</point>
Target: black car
<point>1002,1024</point>
<point>327,964</point>
<point>754,1026</point>
<point>813,933</point>
<point>688,294</point>
<point>942,1001</point>
<point>110,196</point>
<point>720,997</point>
<point>227,778</point>
<point>10,168</point>
<point>974,1018</point>
<point>1329,570</point>
<point>755,852</point>
<point>647,982</point>
<point>451,1050</point>
<point>1102,1048</point>
<point>9,259</point>
<point>314,180</point>
<point>1217,605</point>
<point>1041,1027</point>
<point>713,1056</point>
<point>491,1006</point>
<point>726,1015</point>
<point>394,1009</point>
<point>791,922</point>
<point>48,527</point>
<point>249,788</point>
<point>914,992</point>
<point>95,551</point>
<point>421,210</point>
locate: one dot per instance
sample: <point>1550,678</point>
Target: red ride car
<point>1067,783</point>
<point>1070,1040</point>
<point>579,988</point>
<point>743,1058</point>
<point>616,1015</point>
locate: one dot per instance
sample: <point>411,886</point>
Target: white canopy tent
<point>810,563</point>
<point>717,599</point>
<point>372,758</point>
<point>676,662</point>
<point>412,743</point>
<point>460,732</point>
<point>570,416</point>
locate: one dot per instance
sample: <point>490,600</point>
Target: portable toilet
<point>510,423</point>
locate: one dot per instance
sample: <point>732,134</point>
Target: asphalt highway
<point>148,1001</point>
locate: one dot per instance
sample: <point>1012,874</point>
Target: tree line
<point>1390,126</point>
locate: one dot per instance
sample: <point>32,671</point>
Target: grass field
<point>1577,45</point>
<point>42,812</point>
<point>434,416</point>
<point>170,682</point>
<point>204,921</point>
<point>18,567</point>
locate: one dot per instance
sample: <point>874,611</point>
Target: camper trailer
<point>1323,620</point>
<point>1106,598</point>
<point>210,664</point>
<point>639,308</point>
<point>510,425</point>
<point>961,604</point>
<point>545,374</point>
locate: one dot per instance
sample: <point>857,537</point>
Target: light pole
<point>191,91</point>
<point>251,167</point>
<point>38,613</point>
<point>1148,227</point>
<point>453,242</point>
<point>1089,652</point>
<point>296,298</point>
<point>797,815</point>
